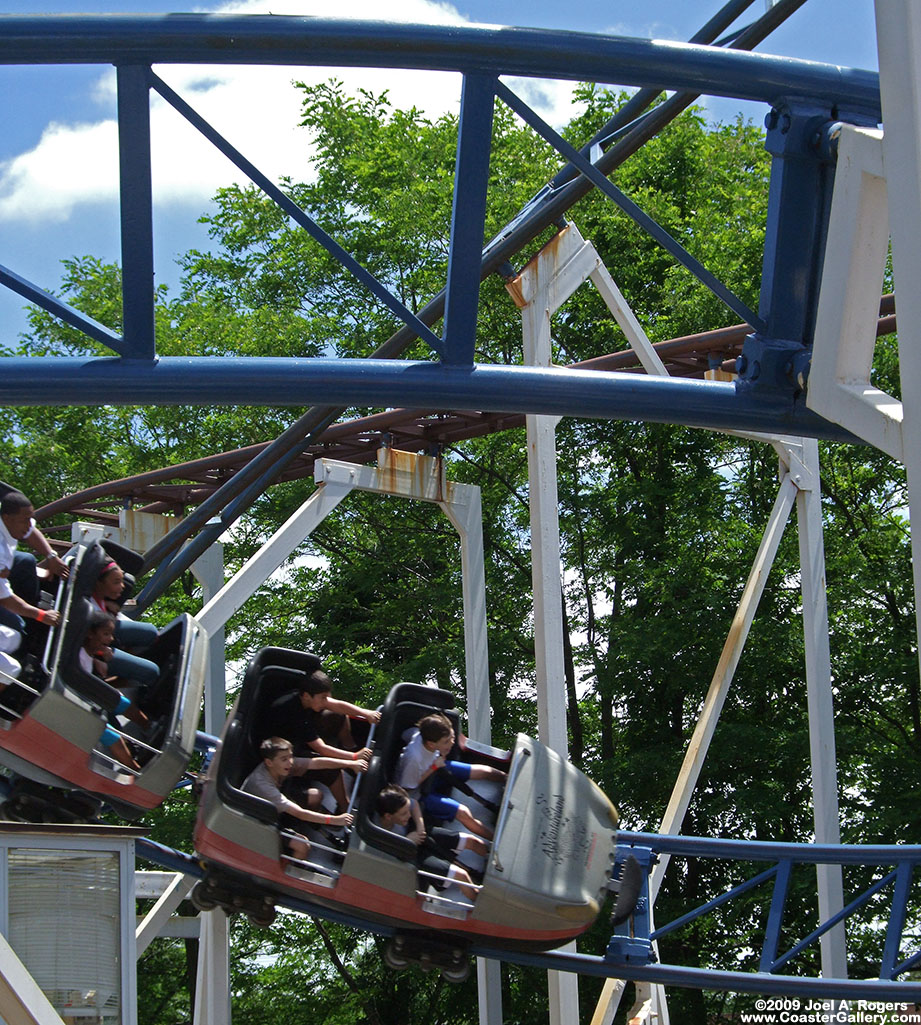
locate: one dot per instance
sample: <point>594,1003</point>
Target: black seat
<point>272,672</point>
<point>406,704</point>
<point>274,681</point>
<point>129,560</point>
<point>86,684</point>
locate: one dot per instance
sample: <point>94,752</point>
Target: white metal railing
<point>311,866</point>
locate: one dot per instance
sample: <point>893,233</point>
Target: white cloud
<point>32,185</point>
<point>255,108</point>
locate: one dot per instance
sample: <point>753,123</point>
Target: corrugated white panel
<point>64,925</point>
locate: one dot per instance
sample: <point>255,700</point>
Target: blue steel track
<point>632,960</point>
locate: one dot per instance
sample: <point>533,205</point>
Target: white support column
<point>465,511</point>
<point>898,31</point>
<point>820,703</point>
<point>467,519</point>
<point>407,475</point>
<point>545,583</point>
<point>547,281</point>
<point>212,994</point>
<point>847,314</point>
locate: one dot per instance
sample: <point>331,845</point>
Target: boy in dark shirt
<point>298,716</point>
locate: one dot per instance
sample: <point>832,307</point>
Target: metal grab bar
<point>319,846</point>
<point>312,865</point>
<point>134,740</point>
<point>10,681</point>
<point>116,764</point>
<point>359,775</point>
<point>59,593</point>
<point>445,900</point>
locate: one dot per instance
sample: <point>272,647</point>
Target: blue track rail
<point>768,396</point>
<point>630,951</point>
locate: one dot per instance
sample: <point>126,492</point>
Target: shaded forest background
<point>659,526</point>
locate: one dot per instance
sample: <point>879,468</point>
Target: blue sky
<point>57,156</point>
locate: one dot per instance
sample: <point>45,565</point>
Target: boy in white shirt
<point>426,753</point>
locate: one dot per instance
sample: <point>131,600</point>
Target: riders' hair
<point>272,746</point>
<point>316,683</point>
<point>97,618</point>
<point>108,567</point>
<point>12,502</point>
<point>434,727</point>
<point>391,799</point>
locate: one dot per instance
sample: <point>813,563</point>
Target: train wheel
<point>262,917</point>
<point>461,973</point>
<point>393,958</point>
<point>202,896</point>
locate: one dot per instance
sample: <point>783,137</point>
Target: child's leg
<point>466,819</point>
<point>487,772</point>
<point>462,877</point>
<point>298,848</point>
<point>469,842</point>
<point>119,750</point>
<point>337,789</point>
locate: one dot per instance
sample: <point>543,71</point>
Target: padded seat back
<point>271,673</point>
<point>86,684</point>
<point>406,704</point>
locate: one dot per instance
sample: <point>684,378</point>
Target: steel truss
<point>133,44</point>
<point>628,954</point>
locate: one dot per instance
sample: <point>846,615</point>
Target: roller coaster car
<point>543,880</point>
<point>52,717</point>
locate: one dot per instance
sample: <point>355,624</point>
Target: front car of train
<point>55,717</point>
<point>540,884</point>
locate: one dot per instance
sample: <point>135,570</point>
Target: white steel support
<point>406,475</point>
<point>820,703</point>
<point>254,573</point>
<point>212,992</point>
<point>21,1000</point>
<point>898,32</point>
<point>151,926</point>
<point>852,279</point>
<point>877,196</point>
<point>545,283</point>
<point>139,531</point>
<point>212,979</point>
